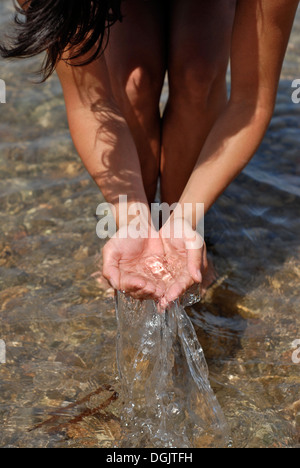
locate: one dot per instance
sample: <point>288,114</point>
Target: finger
<point>159,291</point>
<point>140,288</point>
<point>205,262</point>
<point>162,305</point>
<point>176,290</point>
<point>195,264</point>
<point>110,269</point>
<point>153,291</point>
<point>132,284</point>
<point>146,293</point>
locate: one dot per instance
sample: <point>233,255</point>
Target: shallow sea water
<point>60,385</point>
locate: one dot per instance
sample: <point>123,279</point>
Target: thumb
<point>111,270</point>
<point>195,264</point>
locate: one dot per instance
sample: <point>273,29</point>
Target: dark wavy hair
<point>57,26</point>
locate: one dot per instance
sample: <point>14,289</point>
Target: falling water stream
<point>166,394</point>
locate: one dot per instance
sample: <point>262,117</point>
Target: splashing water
<point>167,397</point>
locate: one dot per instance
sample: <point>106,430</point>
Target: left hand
<point>186,255</point>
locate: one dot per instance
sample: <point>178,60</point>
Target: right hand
<point>186,257</point>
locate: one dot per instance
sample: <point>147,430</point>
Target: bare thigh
<point>136,60</point>
<point>139,41</point>
<point>199,41</point>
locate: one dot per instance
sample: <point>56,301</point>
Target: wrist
<point>191,213</point>
<point>133,216</point>
<point>180,227</point>
<point>125,219</point>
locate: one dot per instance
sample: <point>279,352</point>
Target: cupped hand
<point>158,267</point>
<point>128,264</point>
<point>186,256</point>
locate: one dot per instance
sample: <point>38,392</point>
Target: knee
<point>199,82</point>
<point>140,89</point>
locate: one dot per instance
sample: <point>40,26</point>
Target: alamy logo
<point>137,218</point>
<point>2,92</point>
<point>296,353</point>
<point>296,93</point>
<point>2,352</point>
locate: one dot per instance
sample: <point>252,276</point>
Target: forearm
<point>230,146</point>
<point>260,37</point>
<point>101,136</point>
<point>106,147</point>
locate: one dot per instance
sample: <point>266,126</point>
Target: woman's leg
<point>136,60</point>
<point>199,48</point>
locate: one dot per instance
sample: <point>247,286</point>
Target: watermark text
<point>172,222</point>
<point>296,353</point>
<point>151,457</point>
<point>2,352</point>
<point>296,93</point>
<point>2,92</point>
